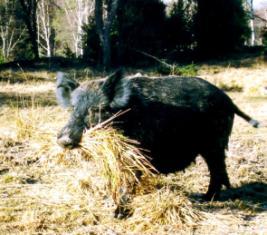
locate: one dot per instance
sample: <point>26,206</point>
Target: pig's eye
<point>94,109</point>
<point>66,89</point>
<point>94,116</point>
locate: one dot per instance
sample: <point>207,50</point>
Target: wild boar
<point>175,118</point>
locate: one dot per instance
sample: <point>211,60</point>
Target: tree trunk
<point>104,28</point>
<point>252,38</point>
<point>29,9</point>
<point>33,38</point>
<point>106,51</point>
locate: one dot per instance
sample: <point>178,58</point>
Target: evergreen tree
<point>179,36</point>
<point>140,28</point>
<point>221,26</point>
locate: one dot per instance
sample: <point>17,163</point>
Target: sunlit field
<point>46,190</point>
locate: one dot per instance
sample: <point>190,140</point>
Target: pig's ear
<point>65,86</point>
<point>117,90</point>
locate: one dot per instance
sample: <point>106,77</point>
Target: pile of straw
<point>103,170</point>
<point>164,207</point>
<point>119,159</point>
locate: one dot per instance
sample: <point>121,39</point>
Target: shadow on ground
<point>14,99</point>
<point>255,192</point>
<point>251,196</point>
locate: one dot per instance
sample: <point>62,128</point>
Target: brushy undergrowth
<point>190,70</point>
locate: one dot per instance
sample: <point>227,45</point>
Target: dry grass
<point>252,81</point>
<point>45,190</point>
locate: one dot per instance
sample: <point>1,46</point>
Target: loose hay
<point>164,207</point>
<point>119,159</point>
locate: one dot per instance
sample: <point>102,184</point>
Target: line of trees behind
<point>116,32</point>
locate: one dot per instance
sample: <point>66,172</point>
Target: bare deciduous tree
<point>249,7</point>
<point>44,24</point>
<point>10,34</point>
<point>77,13</point>
<point>252,38</point>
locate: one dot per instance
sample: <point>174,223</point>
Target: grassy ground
<point>46,191</point>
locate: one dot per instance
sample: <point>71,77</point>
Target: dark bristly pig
<point>175,118</point>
